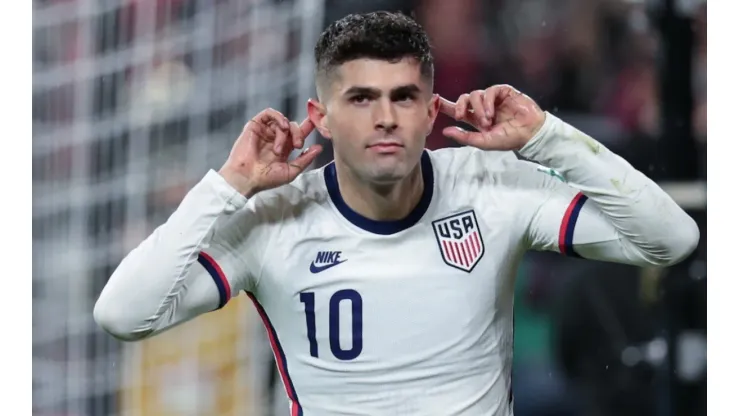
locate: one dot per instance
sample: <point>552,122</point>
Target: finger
<point>303,161</point>
<point>257,128</point>
<point>296,135</point>
<point>280,141</point>
<point>306,128</point>
<point>447,107</point>
<point>476,103</point>
<point>489,102</point>
<point>463,136</point>
<point>504,92</point>
<point>270,116</point>
<point>461,107</point>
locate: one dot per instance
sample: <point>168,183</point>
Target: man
<point>385,279</point>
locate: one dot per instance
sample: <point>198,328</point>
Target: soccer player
<point>385,278</point>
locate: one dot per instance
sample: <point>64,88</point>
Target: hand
<point>259,159</point>
<point>505,118</point>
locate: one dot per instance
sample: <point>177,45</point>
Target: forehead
<point>383,75</point>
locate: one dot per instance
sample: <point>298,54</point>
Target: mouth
<point>386,146</point>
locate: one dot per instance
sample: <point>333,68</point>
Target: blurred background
<point>134,100</point>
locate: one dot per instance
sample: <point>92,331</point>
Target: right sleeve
<point>206,252</point>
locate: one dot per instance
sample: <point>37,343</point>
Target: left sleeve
<point>588,202</point>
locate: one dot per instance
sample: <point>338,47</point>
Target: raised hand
<point>259,159</point>
<point>505,118</point>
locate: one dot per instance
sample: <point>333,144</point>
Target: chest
<point>435,289</point>
<point>457,259</point>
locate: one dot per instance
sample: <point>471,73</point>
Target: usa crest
<point>460,241</point>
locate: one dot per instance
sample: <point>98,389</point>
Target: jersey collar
<point>382,227</point>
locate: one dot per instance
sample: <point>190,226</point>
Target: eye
<point>359,99</point>
<point>405,97</point>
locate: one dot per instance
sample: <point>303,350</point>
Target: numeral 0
<point>309,301</point>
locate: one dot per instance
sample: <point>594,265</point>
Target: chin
<point>388,176</point>
<point>387,179</point>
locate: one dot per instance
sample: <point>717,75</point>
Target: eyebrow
<point>408,89</point>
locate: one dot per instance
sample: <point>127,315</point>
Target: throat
<point>382,210</point>
<point>382,202</point>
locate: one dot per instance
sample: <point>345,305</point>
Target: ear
<point>432,112</point>
<point>317,114</point>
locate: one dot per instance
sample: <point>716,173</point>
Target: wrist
<point>533,146</point>
<point>535,129</point>
<point>238,181</point>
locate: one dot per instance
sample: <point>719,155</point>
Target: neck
<point>381,202</point>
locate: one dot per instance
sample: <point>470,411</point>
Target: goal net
<point>133,101</point>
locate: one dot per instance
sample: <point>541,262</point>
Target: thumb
<point>462,136</point>
<point>446,106</point>
<point>303,160</point>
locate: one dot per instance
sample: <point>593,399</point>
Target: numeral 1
<point>309,301</point>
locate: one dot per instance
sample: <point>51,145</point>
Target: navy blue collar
<point>382,227</point>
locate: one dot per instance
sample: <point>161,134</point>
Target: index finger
<point>269,115</point>
<point>446,106</point>
<point>306,127</point>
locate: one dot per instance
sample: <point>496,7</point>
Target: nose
<point>385,116</point>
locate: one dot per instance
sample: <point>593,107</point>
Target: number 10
<point>309,301</point>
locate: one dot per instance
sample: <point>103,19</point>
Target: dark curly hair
<point>377,35</point>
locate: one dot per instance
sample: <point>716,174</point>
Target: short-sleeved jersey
<point>398,317</point>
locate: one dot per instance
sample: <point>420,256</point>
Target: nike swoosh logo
<point>318,269</point>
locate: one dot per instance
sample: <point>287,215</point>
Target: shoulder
<point>270,211</point>
<point>307,191</point>
<point>476,166</point>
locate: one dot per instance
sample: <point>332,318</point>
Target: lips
<point>385,148</point>
<point>386,144</point>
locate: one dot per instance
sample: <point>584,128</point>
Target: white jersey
<point>411,317</point>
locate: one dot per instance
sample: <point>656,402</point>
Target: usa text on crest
<point>460,241</point>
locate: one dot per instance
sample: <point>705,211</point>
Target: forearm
<point>642,214</point>
<point>159,284</point>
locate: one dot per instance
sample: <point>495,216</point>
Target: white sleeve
<point>190,265</point>
<point>591,203</point>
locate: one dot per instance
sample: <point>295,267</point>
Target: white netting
<point>133,101</point>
